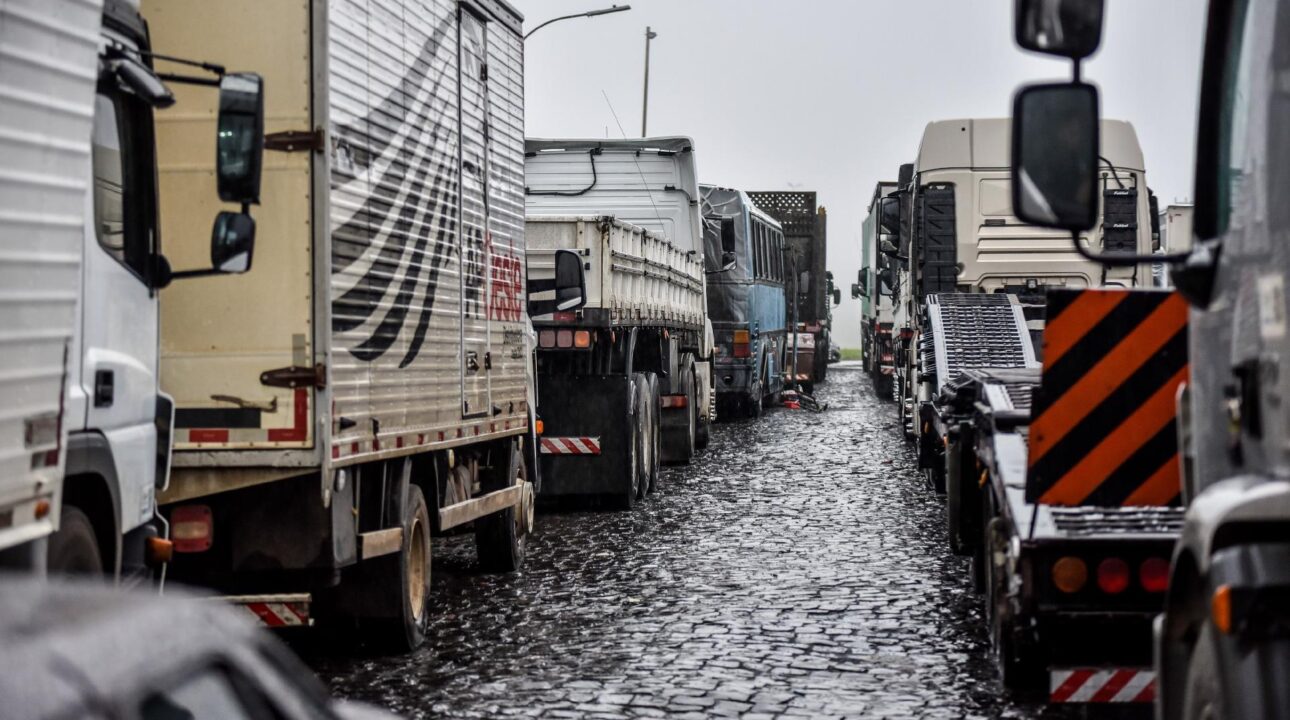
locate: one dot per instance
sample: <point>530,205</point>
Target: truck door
<point>118,311</point>
<point>475,240</point>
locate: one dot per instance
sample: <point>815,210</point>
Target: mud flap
<point>587,407</point>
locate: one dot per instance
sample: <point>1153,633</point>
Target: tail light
<point>564,338</point>
<point>191,528</point>
<point>1153,575</point>
<point>1113,576</point>
<point>546,339</point>
<point>1070,574</point>
<point>582,339</point>
<point>743,348</point>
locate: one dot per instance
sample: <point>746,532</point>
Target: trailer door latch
<point>296,376</point>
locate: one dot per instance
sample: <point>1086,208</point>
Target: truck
<point>375,392</point>
<point>626,382</point>
<point>958,234</point>
<point>1063,487</point>
<point>91,426</point>
<point>1221,649</point>
<point>810,289</point>
<point>875,289</point>
<point>746,269</point>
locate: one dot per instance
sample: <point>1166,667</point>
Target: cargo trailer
<point>375,391</point>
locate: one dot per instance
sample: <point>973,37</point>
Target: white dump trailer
<point>625,382</point>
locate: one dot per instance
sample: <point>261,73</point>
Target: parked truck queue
<point>453,331</point>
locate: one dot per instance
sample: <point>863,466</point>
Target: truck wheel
<point>403,581</point>
<point>702,433</point>
<point>685,449</point>
<point>653,437</point>
<point>74,550</point>
<point>1203,697</point>
<point>625,498</point>
<point>500,537</point>
<point>1017,670</point>
<point>953,501</point>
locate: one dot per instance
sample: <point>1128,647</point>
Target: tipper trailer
<point>746,270</point>
<point>625,382</point>
<point>1064,487</point>
<point>376,391</point>
<point>809,287</point>
<point>876,290</point>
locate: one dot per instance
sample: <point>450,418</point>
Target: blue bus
<point>744,248</point>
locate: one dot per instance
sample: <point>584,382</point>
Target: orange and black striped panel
<point>1104,429</point>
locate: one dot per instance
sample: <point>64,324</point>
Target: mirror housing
<point>1065,28</point>
<point>1156,238</point>
<point>569,286</point>
<point>886,247</point>
<point>232,242</point>
<point>1055,143</point>
<point>837,296</point>
<point>239,140</point>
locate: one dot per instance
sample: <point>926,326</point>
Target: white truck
<point>626,381</point>
<point>80,173</point>
<point>376,392</point>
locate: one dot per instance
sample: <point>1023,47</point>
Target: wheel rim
<point>417,569</point>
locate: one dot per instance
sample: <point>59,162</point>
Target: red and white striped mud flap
<point>1102,685</point>
<point>275,611</point>
<point>570,446</point>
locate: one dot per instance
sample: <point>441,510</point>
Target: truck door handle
<point>104,388</point>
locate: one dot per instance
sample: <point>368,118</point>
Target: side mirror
<point>569,286</point>
<point>886,247</point>
<point>570,281</point>
<point>837,296</point>
<point>1154,203</point>
<point>1066,28</point>
<point>889,216</point>
<point>856,291</point>
<point>1055,142</point>
<point>239,141</point>
<point>232,242</point>
<point>729,242</point>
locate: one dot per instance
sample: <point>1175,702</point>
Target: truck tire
<point>625,497</point>
<point>954,501</point>
<point>678,438</point>
<point>1203,697</point>
<point>403,582</point>
<point>1018,670</point>
<point>500,538</point>
<point>74,550</point>
<point>702,432</point>
<point>653,436</point>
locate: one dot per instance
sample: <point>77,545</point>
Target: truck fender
<point>90,483</point>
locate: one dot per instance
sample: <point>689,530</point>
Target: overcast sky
<point>833,95</point>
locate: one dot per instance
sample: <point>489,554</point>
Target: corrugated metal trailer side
<point>46,117</point>
<point>385,323</point>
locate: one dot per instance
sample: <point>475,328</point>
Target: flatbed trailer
<point>1070,545</point>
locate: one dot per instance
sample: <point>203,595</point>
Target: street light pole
<point>590,13</point>
<point>649,35</point>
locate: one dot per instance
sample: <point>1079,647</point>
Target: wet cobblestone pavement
<point>797,568</point>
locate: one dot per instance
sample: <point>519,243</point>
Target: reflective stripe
<point>1102,685</point>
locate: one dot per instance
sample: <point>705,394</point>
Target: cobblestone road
<point>796,569</point>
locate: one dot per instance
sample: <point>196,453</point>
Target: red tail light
<point>1153,574</point>
<point>191,528</point>
<point>743,348</point>
<point>1113,576</point>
